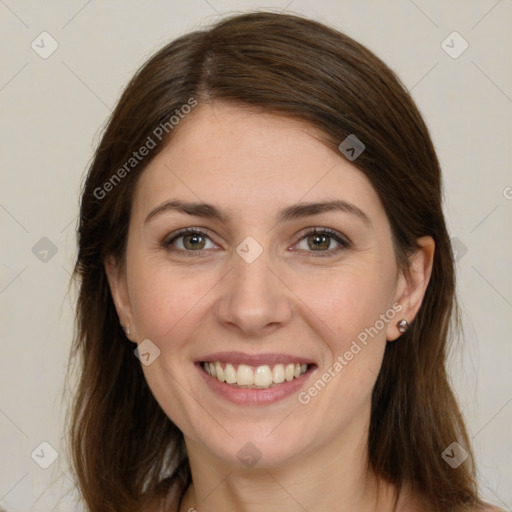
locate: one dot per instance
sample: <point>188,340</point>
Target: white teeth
<point>278,373</point>
<point>230,374</point>
<point>244,375</point>
<point>260,377</point>
<point>289,371</point>
<point>219,371</point>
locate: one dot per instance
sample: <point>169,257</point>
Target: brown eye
<point>193,241</point>
<point>189,240</point>
<point>321,241</point>
<point>317,242</point>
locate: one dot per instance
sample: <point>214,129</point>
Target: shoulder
<point>407,500</point>
<point>410,502</point>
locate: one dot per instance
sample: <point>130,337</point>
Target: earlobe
<point>119,291</point>
<point>412,286</point>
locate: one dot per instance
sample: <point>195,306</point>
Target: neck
<point>335,476</point>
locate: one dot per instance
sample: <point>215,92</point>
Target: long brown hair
<point>125,450</point>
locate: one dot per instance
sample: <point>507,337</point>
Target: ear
<point>412,284</point>
<point>119,290</point>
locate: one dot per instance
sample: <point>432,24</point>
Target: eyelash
<point>343,241</point>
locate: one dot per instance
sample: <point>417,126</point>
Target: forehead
<point>250,161</point>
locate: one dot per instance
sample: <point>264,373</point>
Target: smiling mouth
<point>255,377</point>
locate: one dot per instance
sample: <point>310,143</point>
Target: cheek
<point>347,299</point>
<point>168,303</point>
<point>350,300</point>
<point>356,341</point>
<point>354,303</point>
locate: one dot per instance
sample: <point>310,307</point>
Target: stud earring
<point>127,330</point>
<point>402,325</point>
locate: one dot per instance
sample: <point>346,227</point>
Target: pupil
<point>319,240</point>
<point>194,239</point>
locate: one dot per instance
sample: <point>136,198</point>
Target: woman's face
<point>259,283</point>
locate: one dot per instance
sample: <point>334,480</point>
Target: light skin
<point>290,299</point>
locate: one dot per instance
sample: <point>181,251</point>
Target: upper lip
<point>255,359</point>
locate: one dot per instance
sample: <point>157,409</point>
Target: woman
<point>266,286</point>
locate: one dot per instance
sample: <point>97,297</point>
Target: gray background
<point>53,111</point>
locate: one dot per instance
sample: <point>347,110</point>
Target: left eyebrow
<point>296,211</point>
<point>301,210</point>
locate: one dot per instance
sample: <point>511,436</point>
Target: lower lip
<point>251,396</point>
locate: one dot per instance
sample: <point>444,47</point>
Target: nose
<point>254,298</point>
